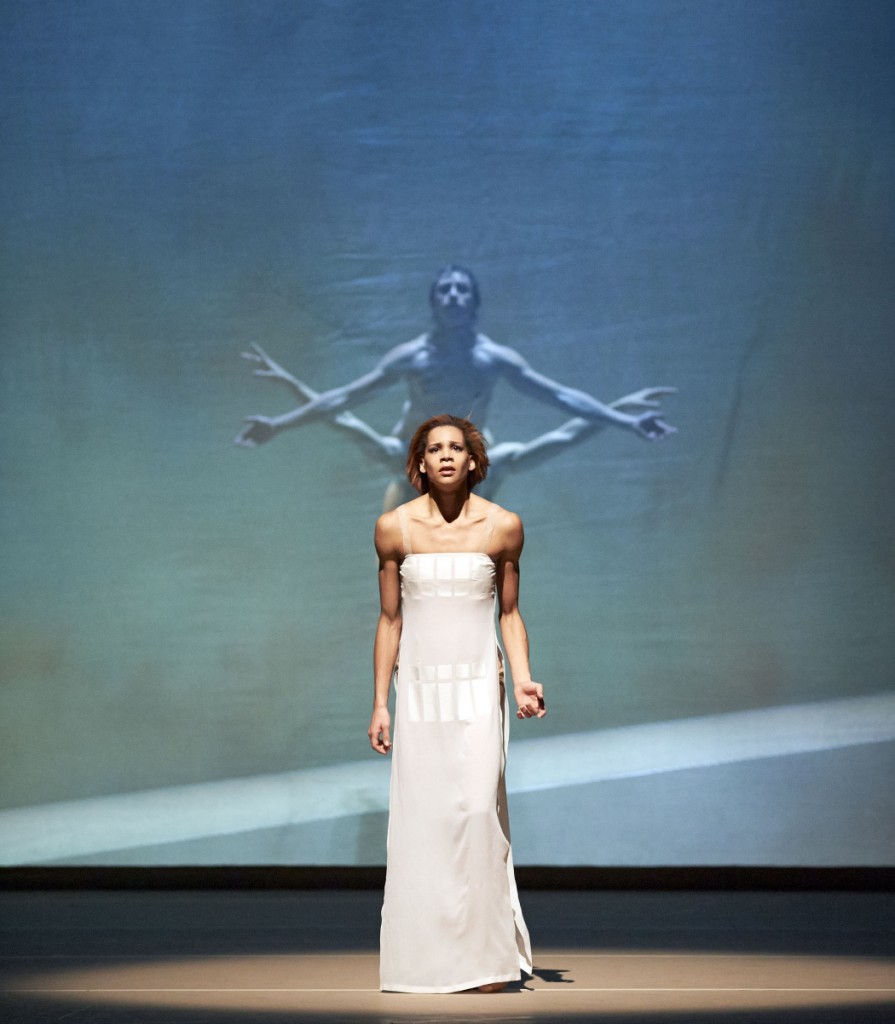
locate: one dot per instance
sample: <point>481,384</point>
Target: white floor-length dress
<point>451,918</point>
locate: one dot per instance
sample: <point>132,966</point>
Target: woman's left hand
<point>530,699</point>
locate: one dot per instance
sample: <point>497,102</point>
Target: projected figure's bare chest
<point>459,381</point>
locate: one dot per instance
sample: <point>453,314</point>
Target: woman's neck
<point>448,506</point>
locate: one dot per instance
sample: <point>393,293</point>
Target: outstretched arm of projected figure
<point>259,429</point>
<point>516,370</point>
<point>384,448</point>
<point>528,454</point>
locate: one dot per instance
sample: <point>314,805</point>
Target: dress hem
<point>491,979</point>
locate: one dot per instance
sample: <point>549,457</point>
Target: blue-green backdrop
<point>686,193</point>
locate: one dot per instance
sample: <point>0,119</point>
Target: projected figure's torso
<point>448,373</point>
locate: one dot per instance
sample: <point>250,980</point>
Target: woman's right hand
<point>380,731</point>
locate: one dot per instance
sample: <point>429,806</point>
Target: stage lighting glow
<point>615,980</point>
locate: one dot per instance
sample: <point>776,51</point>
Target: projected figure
<point>451,919</point>
<point>504,457</point>
<point>452,366</point>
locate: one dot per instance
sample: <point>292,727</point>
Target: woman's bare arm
<point>388,629</point>
<point>529,694</point>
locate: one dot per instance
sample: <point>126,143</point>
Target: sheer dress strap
<point>405,530</point>
<point>489,527</point>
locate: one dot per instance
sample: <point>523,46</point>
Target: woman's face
<point>446,461</point>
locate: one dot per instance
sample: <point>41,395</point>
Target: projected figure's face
<point>446,460</point>
<point>454,298</point>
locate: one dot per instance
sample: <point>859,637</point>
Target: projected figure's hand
<point>651,427</point>
<point>380,731</point>
<point>530,699</point>
<point>648,425</point>
<point>258,429</point>
<point>646,398</point>
<point>269,368</point>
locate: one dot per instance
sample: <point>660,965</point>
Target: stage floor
<point>267,957</point>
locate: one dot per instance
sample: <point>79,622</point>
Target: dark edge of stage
<point>848,879</point>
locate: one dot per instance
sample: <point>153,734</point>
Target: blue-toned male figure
<point>452,367</point>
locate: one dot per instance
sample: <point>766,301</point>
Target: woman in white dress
<point>451,919</point>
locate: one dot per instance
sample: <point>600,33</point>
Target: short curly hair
<point>472,437</point>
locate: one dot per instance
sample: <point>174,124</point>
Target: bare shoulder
<point>499,354</point>
<point>511,530</point>
<point>508,531</point>
<point>402,355</point>
<point>387,536</point>
<point>415,508</point>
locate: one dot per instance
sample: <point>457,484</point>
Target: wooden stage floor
<point>267,957</point>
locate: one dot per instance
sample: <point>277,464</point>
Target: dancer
<point>452,366</point>
<point>503,457</point>
<point>451,919</point>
